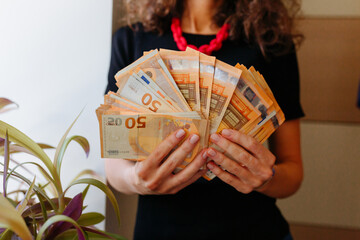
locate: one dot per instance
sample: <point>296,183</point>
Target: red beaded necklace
<point>214,45</point>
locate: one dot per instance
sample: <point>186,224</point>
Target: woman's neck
<point>197,17</point>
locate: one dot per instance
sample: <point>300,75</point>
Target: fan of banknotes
<point>165,90</point>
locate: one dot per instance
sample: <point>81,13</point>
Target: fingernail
<point>180,133</point>
<point>215,137</point>
<point>204,156</point>
<point>194,138</point>
<point>210,165</point>
<point>226,132</point>
<point>211,152</point>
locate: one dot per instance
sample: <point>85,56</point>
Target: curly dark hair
<point>267,23</point>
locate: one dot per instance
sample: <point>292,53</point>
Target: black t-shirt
<point>211,209</point>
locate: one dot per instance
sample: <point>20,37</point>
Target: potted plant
<point>37,215</point>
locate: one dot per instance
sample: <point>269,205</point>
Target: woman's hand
<point>249,165</point>
<point>155,175</point>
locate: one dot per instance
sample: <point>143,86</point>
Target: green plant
<point>37,215</point>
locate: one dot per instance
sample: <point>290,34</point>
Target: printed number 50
<point>131,122</point>
<point>147,99</point>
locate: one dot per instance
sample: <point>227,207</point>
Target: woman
<point>240,202</point>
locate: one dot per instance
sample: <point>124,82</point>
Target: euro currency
<point>206,77</point>
<point>141,94</point>
<point>254,93</point>
<point>226,78</point>
<point>240,114</point>
<point>192,115</point>
<point>155,68</point>
<point>166,90</point>
<point>184,68</point>
<point>265,128</point>
<point>113,99</point>
<point>135,136</point>
<point>157,89</point>
<point>271,124</point>
<point>162,98</point>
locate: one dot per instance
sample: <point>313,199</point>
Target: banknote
<point>113,99</point>
<point>206,77</point>
<point>184,68</point>
<point>272,123</point>
<point>254,93</point>
<point>143,76</point>
<point>240,114</point>
<point>154,67</point>
<point>135,136</point>
<point>166,90</point>
<point>141,94</point>
<point>226,78</point>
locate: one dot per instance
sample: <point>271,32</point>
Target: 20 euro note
<point>135,136</point>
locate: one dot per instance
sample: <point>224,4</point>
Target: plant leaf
<point>61,143</point>
<point>36,188</point>
<point>60,218</point>
<point>103,188</point>
<point>91,218</point>
<point>14,148</point>
<point>10,218</point>
<point>7,234</point>
<point>6,162</point>
<point>85,191</point>
<point>4,102</point>
<point>42,170</point>
<point>22,205</point>
<point>20,138</point>
<point>35,209</point>
<point>98,234</point>
<point>72,210</point>
<point>79,139</point>
<point>88,172</point>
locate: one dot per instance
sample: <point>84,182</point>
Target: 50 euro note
<point>154,67</point>
<point>226,78</point>
<point>277,117</point>
<point>206,77</point>
<point>135,90</point>
<point>240,114</point>
<point>114,100</point>
<point>255,95</point>
<point>135,136</point>
<point>151,83</point>
<point>184,68</point>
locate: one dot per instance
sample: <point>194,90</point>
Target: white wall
<point>54,58</point>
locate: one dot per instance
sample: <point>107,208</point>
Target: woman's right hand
<point>155,174</point>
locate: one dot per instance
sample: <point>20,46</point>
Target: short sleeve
<point>122,54</point>
<point>282,75</point>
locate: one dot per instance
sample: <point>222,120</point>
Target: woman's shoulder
<point>128,31</point>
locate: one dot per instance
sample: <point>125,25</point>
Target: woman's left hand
<point>248,164</point>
